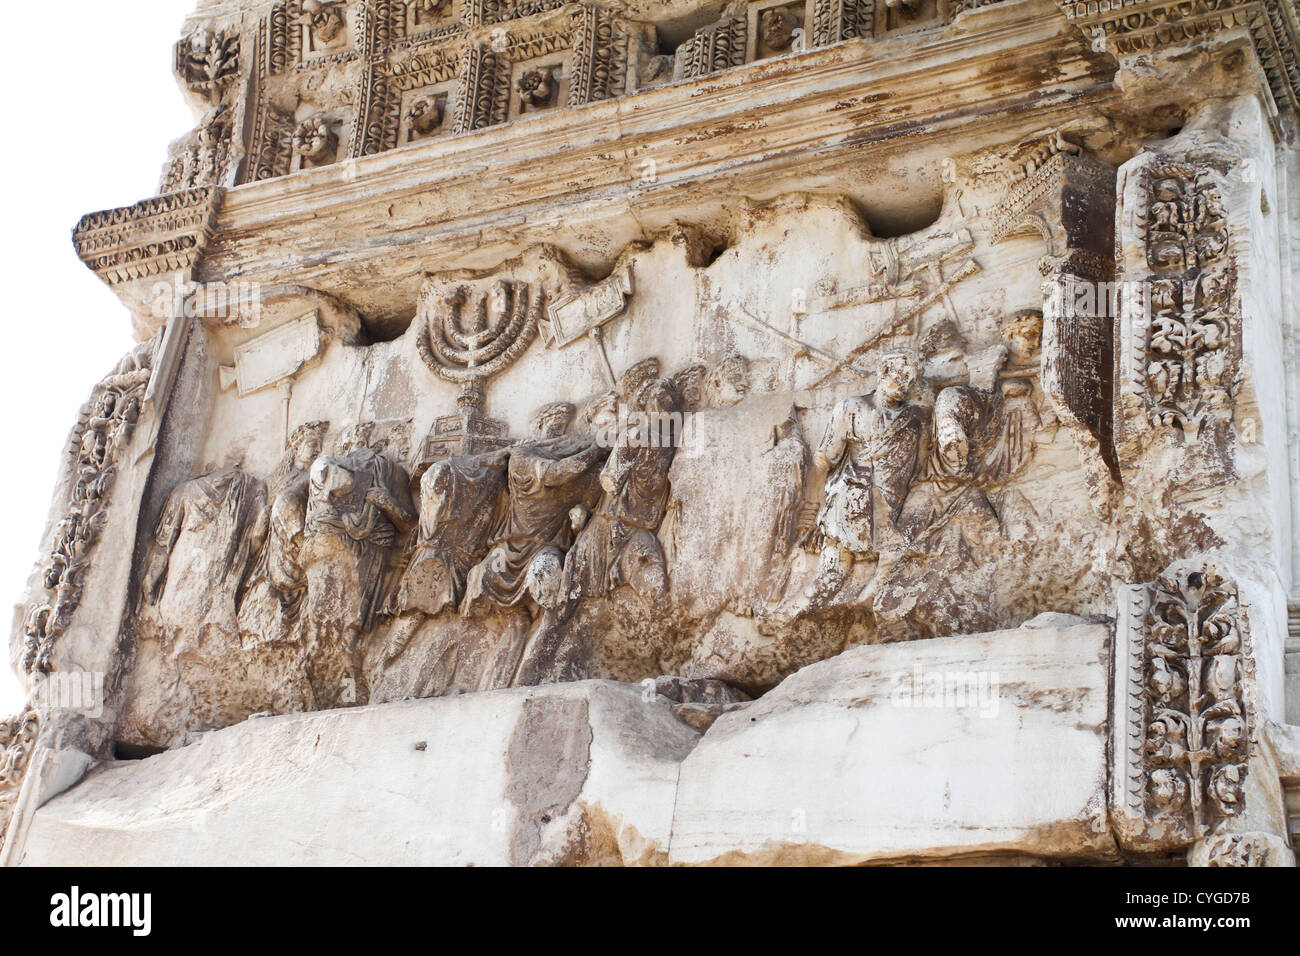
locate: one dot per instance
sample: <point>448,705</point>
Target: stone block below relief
<point>987,746</point>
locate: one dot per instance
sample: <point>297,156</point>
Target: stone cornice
<point>473,199</point>
<point>1131,26</point>
<point>163,234</point>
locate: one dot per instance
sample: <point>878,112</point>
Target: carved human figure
<point>460,504</point>
<point>548,478</point>
<point>728,382</point>
<point>873,450</point>
<point>788,462</point>
<point>618,546</point>
<point>358,505</point>
<point>272,598</point>
<point>211,529</point>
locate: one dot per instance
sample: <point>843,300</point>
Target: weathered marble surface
<point>595,773</point>
<point>489,350</point>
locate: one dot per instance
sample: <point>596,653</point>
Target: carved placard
<point>575,314</point>
<point>269,358</point>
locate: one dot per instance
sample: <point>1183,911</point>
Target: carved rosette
<point>1184,722</point>
<point>1180,329</point>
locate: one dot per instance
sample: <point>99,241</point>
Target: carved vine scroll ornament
<point>1184,721</point>
<point>17,742</point>
<point>103,432</point>
<point>1184,337</point>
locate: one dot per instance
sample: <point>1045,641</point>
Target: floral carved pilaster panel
<point>1184,721</point>
<point>1180,318</point>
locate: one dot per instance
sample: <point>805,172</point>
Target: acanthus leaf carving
<point>1184,716</point>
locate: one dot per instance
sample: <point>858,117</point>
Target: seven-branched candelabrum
<point>468,338</point>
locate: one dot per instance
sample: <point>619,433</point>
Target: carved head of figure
<point>729,381</point>
<point>536,86</point>
<point>778,25</point>
<point>601,416</point>
<point>635,378</point>
<point>357,438</point>
<point>897,375</point>
<point>425,115</point>
<point>306,444</point>
<point>1023,333</point>
<point>552,421</point>
<point>314,141</point>
<point>658,396</point>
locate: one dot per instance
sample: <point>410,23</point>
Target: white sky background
<point>90,106</point>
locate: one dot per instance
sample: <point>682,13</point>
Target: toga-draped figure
<point>547,479</point>
<point>461,499</point>
<point>359,504</point>
<point>619,545</point>
<point>272,598</point>
<point>205,543</point>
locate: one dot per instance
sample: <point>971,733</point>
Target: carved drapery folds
<point>1068,198</point>
<point>1184,720</point>
<point>1180,328</point>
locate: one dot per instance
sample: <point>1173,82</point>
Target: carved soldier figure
<point>873,450</point>
<point>548,478</point>
<point>460,500</point>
